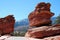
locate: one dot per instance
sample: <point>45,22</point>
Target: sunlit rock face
<point>7,24</point>
<point>41,16</point>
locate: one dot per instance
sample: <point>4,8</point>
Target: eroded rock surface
<point>41,15</point>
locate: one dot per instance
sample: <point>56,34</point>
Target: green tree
<point>57,21</point>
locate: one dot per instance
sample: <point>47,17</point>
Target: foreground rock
<point>44,31</point>
<point>41,15</point>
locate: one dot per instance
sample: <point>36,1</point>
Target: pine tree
<point>57,21</point>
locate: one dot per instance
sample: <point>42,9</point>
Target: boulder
<point>40,19</point>
<point>41,15</point>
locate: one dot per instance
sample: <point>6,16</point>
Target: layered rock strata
<point>44,31</point>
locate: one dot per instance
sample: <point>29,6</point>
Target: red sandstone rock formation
<point>42,32</point>
<point>40,18</point>
<point>41,15</point>
<point>7,24</point>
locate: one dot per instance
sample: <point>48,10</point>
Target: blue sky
<point>21,8</point>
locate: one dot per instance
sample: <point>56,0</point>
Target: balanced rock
<point>7,24</point>
<point>41,15</point>
<point>42,32</point>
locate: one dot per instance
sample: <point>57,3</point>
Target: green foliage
<point>57,21</point>
<point>18,33</point>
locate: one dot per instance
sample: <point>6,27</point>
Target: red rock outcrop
<point>43,31</point>
<point>41,15</point>
<point>7,24</point>
<point>40,23</point>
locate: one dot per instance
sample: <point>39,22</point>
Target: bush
<point>18,33</point>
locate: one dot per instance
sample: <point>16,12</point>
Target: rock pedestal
<point>44,31</point>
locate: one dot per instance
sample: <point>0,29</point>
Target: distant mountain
<point>23,25</point>
<point>21,28</point>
